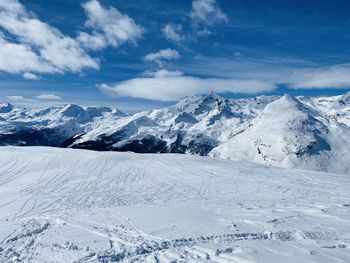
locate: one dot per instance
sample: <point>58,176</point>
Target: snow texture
<point>287,131</point>
<point>66,205</point>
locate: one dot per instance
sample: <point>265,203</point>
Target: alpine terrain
<point>287,131</point>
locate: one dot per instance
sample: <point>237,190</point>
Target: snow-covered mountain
<point>50,126</point>
<point>290,134</point>
<point>308,133</point>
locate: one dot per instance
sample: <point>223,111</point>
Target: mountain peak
<point>345,99</point>
<point>198,103</point>
<point>289,97</point>
<point>212,97</point>
<point>289,107</point>
<point>5,107</point>
<point>73,110</point>
<point>284,102</point>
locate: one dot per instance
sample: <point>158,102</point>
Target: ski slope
<point>65,205</point>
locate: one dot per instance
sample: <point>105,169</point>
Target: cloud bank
<point>256,78</point>
<point>166,85</point>
<point>337,76</point>
<point>48,96</point>
<point>17,98</point>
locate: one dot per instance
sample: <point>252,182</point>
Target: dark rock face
<point>176,146</point>
<point>103,143</point>
<point>202,148</point>
<point>69,142</point>
<point>27,137</point>
<point>145,145</point>
<point>149,144</point>
<point>93,145</point>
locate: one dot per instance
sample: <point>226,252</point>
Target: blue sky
<point>144,54</point>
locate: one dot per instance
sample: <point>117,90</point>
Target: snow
<point>51,126</point>
<point>283,131</point>
<point>289,134</point>
<point>5,107</point>
<point>65,205</point>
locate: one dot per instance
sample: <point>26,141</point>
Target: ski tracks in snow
<point>26,244</point>
<point>51,198</point>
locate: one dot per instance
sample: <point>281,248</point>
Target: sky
<point>139,55</point>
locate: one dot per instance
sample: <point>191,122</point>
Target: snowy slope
<point>289,134</point>
<point>308,133</point>
<point>64,205</point>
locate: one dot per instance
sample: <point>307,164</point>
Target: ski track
<point>134,245</point>
<point>78,206</point>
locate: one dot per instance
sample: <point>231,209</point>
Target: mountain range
<point>285,131</point>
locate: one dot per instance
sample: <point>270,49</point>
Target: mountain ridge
<point>285,131</point>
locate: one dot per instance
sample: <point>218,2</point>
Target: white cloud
<point>19,99</point>
<point>204,33</point>
<point>173,32</point>
<point>162,55</point>
<point>12,6</point>
<point>47,48</point>
<point>17,58</point>
<point>295,73</point>
<point>204,13</point>
<point>169,86</point>
<point>207,12</point>
<point>93,41</point>
<point>48,96</point>
<point>15,98</point>
<point>337,76</point>
<point>236,75</point>
<point>109,25</point>
<point>30,76</point>
<point>32,47</point>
